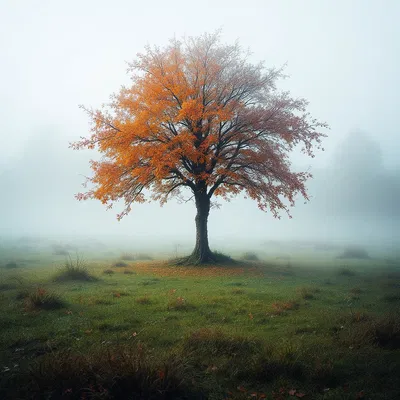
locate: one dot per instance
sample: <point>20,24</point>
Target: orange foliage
<point>198,116</point>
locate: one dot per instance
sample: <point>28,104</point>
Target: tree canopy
<point>199,116</point>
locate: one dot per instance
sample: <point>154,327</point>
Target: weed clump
<point>41,299</point>
<point>365,330</point>
<point>307,293</point>
<point>281,307</point>
<point>143,300</point>
<point>123,372</point>
<point>108,271</point>
<point>148,282</point>
<point>179,304</point>
<point>129,272</point>
<point>120,264</point>
<point>236,284</point>
<point>103,302</point>
<point>120,293</point>
<point>238,291</point>
<point>74,271</point>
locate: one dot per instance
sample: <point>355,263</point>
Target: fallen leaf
<point>161,374</point>
<point>292,392</point>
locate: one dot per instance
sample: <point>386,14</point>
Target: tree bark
<point>202,253</point>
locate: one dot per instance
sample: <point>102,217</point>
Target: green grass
<point>167,331</point>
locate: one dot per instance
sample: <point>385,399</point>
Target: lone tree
<point>199,116</point>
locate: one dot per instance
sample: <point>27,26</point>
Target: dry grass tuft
<point>42,299</point>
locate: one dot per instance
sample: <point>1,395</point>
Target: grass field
<point>119,325</point>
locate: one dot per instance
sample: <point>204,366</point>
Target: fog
<point>342,56</point>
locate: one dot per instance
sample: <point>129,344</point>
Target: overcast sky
<point>342,55</point>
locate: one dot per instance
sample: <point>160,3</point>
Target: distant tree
<point>199,116</point>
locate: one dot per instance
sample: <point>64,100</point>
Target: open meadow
<point>310,321</point>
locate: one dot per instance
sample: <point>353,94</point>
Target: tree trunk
<point>202,253</point>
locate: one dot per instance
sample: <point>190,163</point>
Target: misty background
<point>342,56</point>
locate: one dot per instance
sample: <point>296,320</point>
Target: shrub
<point>129,272</point>
<point>127,257</point>
<point>120,264</point>
<point>108,271</point>
<point>11,265</point>
<point>354,252</point>
<point>144,257</point>
<point>74,271</point>
<point>250,256</point>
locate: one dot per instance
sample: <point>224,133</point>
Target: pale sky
<point>342,55</point>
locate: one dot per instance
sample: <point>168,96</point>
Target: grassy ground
<point>312,326</point>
